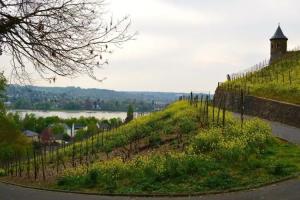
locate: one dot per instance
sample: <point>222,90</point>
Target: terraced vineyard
<point>191,146</point>
<point>278,81</point>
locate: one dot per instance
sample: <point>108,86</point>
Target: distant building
<point>278,45</point>
<point>78,127</point>
<point>158,105</point>
<point>7,104</point>
<point>31,135</point>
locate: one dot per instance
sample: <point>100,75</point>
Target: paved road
<point>288,190</point>
<point>286,132</point>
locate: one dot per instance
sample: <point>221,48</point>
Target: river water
<point>75,114</point>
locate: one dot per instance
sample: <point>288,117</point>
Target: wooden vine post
<point>242,108</point>
<point>43,166</point>
<point>28,164</point>
<point>213,109</point>
<point>219,108</point>
<point>87,154</point>
<point>73,155</point>
<point>35,164</point>
<point>224,111</point>
<point>57,160</point>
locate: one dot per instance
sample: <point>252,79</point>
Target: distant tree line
<point>80,104</point>
<point>70,98</point>
<point>38,124</point>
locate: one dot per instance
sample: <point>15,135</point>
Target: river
<point>75,114</point>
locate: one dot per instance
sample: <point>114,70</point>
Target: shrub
<point>233,143</point>
<point>92,177</point>
<point>207,141</point>
<point>2,172</point>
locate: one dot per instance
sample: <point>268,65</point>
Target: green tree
<point>80,135</point>
<point>115,122</point>
<point>58,129</point>
<point>130,112</point>
<point>11,139</point>
<point>29,122</point>
<point>92,129</point>
<point>2,89</point>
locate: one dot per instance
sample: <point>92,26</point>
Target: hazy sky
<point>186,45</point>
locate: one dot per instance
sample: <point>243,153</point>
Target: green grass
<point>177,117</point>
<point>279,81</point>
<point>214,159</point>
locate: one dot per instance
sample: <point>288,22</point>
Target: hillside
<point>75,98</point>
<point>188,147</point>
<point>278,81</point>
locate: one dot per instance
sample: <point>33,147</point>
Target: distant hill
<point>76,98</point>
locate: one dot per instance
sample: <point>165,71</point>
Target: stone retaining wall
<point>264,108</point>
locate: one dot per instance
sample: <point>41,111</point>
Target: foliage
<point>59,98</point>
<point>2,89</point>
<point>2,172</point>
<point>130,113</point>
<point>92,129</point>
<point>11,139</point>
<point>233,143</point>
<point>80,135</point>
<point>182,172</point>
<point>278,81</point>
<point>58,129</point>
<point>215,159</point>
<point>38,124</point>
<point>66,137</point>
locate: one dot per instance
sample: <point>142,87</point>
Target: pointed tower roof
<point>279,34</point>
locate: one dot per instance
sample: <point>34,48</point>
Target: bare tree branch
<point>59,37</point>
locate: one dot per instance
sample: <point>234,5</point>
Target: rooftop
<point>279,34</point>
<point>29,133</point>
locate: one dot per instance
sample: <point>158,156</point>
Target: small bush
<point>2,172</point>
<point>92,177</point>
<point>233,143</point>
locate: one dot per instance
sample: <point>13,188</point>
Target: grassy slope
<point>213,158</point>
<point>279,81</point>
<point>143,132</point>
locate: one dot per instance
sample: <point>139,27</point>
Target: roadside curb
<point>239,189</point>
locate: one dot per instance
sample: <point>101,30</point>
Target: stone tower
<point>278,45</point>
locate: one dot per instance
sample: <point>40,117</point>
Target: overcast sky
<point>186,45</point>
